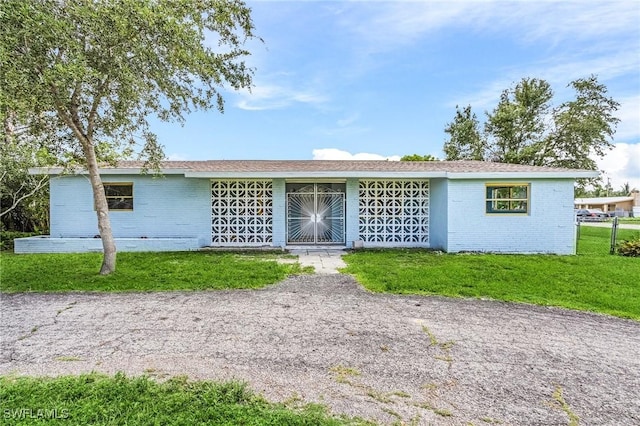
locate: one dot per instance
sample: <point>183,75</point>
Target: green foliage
<point>465,140</point>
<point>582,126</point>
<point>524,128</point>
<point>97,399</point>
<point>159,271</point>
<point>630,247</point>
<point>517,124</point>
<point>93,71</point>
<point>24,198</point>
<point>85,75</point>
<point>593,280</point>
<point>418,157</point>
<point>7,237</point>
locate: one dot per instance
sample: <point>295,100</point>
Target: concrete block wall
<point>169,206</point>
<point>279,213</point>
<point>548,228</point>
<point>45,244</point>
<point>352,212</point>
<point>438,214</point>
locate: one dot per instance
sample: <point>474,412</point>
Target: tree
<point>95,70</point>
<point>24,198</point>
<point>625,190</point>
<point>525,129</point>
<point>465,140</point>
<point>582,127</point>
<point>418,157</point>
<point>24,204</point>
<point>517,124</point>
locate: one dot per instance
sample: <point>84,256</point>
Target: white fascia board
<point>138,171</point>
<point>315,175</point>
<point>115,171</point>
<point>523,175</point>
<point>45,170</point>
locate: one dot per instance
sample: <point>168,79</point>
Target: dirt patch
<point>324,339</point>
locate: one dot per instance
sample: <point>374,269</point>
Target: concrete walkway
<point>324,260</point>
<point>609,225</point>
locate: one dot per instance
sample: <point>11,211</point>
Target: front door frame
<point>315,216</point>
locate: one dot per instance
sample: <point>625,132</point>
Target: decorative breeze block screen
<point>394,211</point>
<point>242,211</point>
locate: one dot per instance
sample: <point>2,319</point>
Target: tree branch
<point>65,116</point>
<point>39,185</point>
<point>94,107</point>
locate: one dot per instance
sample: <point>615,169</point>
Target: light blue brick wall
<point>168,206</point>
<point>352,212</point>
<point>279,213</point>
<point>82,245</point>
<point>548,228</point>
<point>438,216</point>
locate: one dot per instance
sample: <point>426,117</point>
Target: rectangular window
<point>508,198</point>
<point>119,195</point>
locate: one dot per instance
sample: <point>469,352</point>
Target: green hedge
<point>7,237</point>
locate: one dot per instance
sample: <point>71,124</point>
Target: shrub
<point>7,237</point>
<point>630,248</point>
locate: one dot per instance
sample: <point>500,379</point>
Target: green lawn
<point>593,280</point>
<point>94,399</point>
<point>142,271</point>
<point>630,220</point>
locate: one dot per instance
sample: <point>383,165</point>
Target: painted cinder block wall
<point>438,217</point>
<point>279,213</point>
<point>548,228</point>
<point>175,207</point>
<point>168,206</point>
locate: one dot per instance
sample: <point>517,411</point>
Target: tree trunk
<point>102,210</point>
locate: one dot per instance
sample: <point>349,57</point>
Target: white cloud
<point>273,96</point>
<point>177,157</point>
<point>350,119</point>
<point>338,154</point>
<point>621,165</point>
<point>389,24</point>
<point>629,115</point>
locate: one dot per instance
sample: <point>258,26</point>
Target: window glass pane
<point>120,203</point>
<point>507,199</point>
<point>520,206</point>
<point>501,192</point>
<point>519,192</point>
<point>118,190</point>
<point>501,205</point>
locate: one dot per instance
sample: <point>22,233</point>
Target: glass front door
<point>315,213</point>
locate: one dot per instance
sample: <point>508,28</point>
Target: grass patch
<point>631,220</point>
<point>68,358</point>
<point>342,373</point>
<point>593,280</point>
<point>559,401</point>
<point>101,400</point>
<point>149,271</point>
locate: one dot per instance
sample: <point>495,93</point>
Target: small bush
<point>7,237</point>
<point>630,248</point>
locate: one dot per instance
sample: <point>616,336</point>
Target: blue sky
<point>372,79</point>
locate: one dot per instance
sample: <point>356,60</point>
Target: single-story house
<point>622,206</point>
<point>450,206</point>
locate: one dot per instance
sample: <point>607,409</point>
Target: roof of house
<point>343,168</point>
<point>602,200</point>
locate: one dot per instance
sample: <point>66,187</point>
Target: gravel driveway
<point>322,338</point>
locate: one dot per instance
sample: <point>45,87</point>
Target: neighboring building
<point>449,206</point>
<point>622,206</point>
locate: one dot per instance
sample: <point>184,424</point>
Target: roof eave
<point>577,174</point>
<point>314,174</point>
<point>109,171</point>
